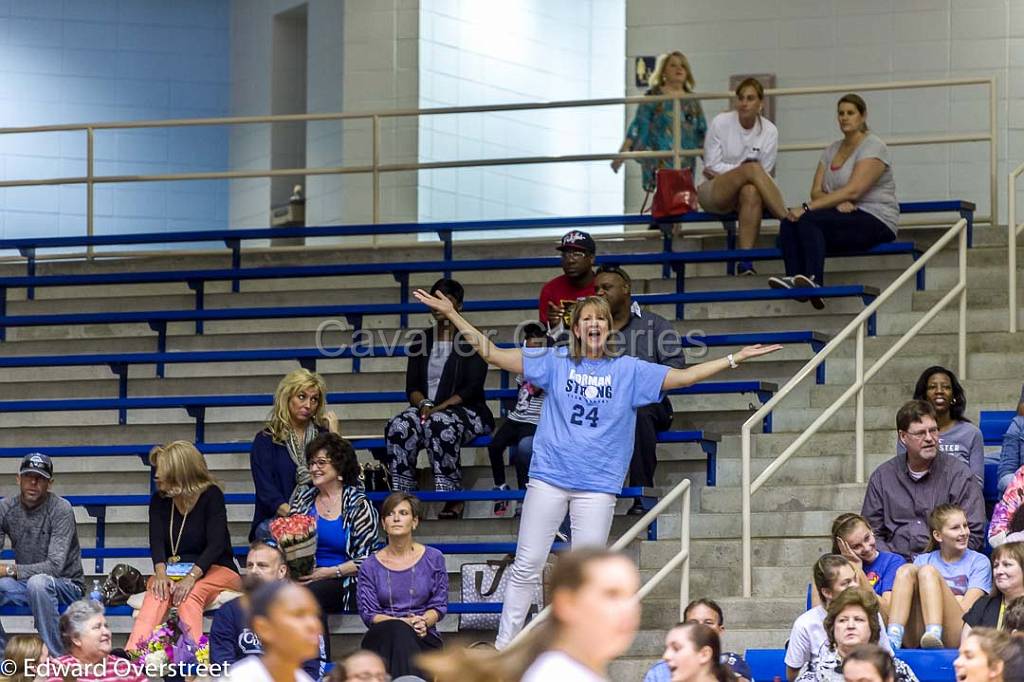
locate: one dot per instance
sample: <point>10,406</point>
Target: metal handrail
<point>375,168</point>
<point>681,558</point>
<point>1013,229</point>
<point>856,327</point>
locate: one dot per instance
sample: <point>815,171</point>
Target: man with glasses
<point>903,491</point>
<point>559,296</point>
<point>231,638</point>
<point>650,337</point>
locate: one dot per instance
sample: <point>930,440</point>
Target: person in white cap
<point>47,569</point>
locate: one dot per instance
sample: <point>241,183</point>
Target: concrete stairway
<point>791,516</point>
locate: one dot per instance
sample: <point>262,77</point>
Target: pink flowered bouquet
<point>296,536</point>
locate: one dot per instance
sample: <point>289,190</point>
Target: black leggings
<point>510,434</point>
<point>397,643</point>
<point>805,243</point>
<point>330,595</point>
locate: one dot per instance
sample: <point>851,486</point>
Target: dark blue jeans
<point>45,595</point>
<point>805,243</point>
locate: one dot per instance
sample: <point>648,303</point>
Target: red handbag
<point>674,193</point>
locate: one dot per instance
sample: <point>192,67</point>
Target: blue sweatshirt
<point>231,640</point>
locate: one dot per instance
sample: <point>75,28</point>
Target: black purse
<point>374,477</point>
<point>122,583</point>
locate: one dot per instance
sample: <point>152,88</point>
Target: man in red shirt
<point>559,295</point>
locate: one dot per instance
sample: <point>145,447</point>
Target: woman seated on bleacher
<point>853,539</point>
<point>1007,524</point>
<point>189,542</point>
<point>1008,585</point>
<point>958,437</point>
<point>853,203</point>
<point>347,525</point>
<point>832,575</point>
<point>444,381</point>
<point>851,620</point>
<point>403,590</point>
<point>739,157</point>
<point>278,456</point>
<point>87,640</point>
<point>1011,456</point>
<point>932,595</point>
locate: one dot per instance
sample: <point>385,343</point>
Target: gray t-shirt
<point>435,366</point>
<point>880,200</point>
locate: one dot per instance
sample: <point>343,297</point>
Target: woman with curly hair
<point>347,525</point>
<point>852,620</point>
<point>278,455</point>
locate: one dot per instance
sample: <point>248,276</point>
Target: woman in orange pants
<point>188,540</point>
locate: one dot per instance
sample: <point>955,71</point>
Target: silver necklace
<point>391,596</point>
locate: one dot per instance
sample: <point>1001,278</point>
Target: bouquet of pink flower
<point>171,643</point>
<point>296,535</point>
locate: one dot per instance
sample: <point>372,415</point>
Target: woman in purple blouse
<point>402,590</point>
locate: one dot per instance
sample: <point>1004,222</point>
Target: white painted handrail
<point>375,167</point>
<point>681,558</point>
<point>855,328</point>
<point>1013,229</point>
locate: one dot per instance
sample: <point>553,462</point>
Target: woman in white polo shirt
<point>739,157</point>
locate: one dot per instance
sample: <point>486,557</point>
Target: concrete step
<point>835,497</point>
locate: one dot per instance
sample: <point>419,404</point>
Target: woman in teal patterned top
<point>651,129</point>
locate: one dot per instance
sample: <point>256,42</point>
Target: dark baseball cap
<point>36,463</point>
<point>577,241</point>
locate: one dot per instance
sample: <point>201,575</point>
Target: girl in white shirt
<point>594,618</point>
<point>739,156</point>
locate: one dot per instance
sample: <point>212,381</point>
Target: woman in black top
<point>1007,585</point>
<point>444,381</point>
<point>188,542</point>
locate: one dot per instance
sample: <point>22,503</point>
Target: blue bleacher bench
<point>308,357</point>
<point>354,313</point>
<point>935,665</point>
<point>196,405</point>
<point>232,238</point>
<point>994,423</point>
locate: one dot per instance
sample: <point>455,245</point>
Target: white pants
<point>544,508</point>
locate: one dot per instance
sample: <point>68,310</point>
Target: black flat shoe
<point>451,511</point>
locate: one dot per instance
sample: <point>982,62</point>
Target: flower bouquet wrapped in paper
<point>296,535</point>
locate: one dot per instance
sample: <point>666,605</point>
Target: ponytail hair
<point>858,103</point>
<point>702,636</point>
<point>571,573</point>
<point>843,525</point>
<point>825,570</point>
<point>937,519</point>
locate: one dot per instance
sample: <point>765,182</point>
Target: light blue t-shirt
<point>585,437</point>
<point>973,570</point>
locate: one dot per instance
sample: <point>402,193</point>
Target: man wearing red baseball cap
<point>559,295</point>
